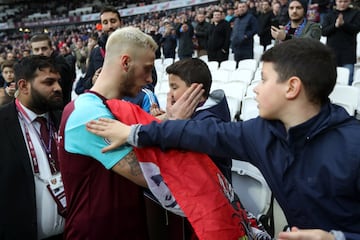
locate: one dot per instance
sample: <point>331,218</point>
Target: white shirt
<point>49,222</point>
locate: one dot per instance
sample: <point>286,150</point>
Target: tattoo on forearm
<point>132,162</point>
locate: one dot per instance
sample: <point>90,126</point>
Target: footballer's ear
<point>125,62</point>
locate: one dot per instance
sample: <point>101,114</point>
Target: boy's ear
<point>293,88</point>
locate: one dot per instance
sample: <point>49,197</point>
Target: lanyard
<point>22,115</point>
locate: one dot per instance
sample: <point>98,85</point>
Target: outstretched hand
<point>306,234</point>
<point>113,130</point>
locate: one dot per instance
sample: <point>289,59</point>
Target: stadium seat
<point>345,96</point>
<point>229,65</point>
<point>251,187</point>
<point>342,75</point>
<point>243,75</point>
<point>249,108</point>
<point>213,65</point>
<point>220,75</point>
<point>248,64</point>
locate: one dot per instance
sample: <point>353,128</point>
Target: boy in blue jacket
<point>213,105</point>
<point>306,148</point>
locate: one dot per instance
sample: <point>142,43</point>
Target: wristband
<point>338,235</point>
<point>133,136</point>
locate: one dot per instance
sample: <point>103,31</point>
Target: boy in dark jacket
<point>305,147</point>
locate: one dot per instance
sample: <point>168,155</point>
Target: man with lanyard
<point>33,199</point>
<point>298,26</point>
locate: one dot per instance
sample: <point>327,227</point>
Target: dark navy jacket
<point>218,111</point>
<point>313,170</point>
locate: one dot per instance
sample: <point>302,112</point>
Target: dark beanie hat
<point>304,4</point>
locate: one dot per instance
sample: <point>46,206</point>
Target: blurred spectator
<point>91,44</point>
<point>202,32</point>
<point>110,21</point>
<point>229,14</point>
<point>341,27</point>
<point>185,33</point>
<point>81,53</point>
<point>7,90</point>
<point>41,45</point>
<point>322,6</point>
<point>265,18</point>
<point>298,26</point>
<point>157,38</point>
<point>219,38</point>
<point>242,38</point>
<point>10,56</point>
<point>169,42</point>
<point>283,15</point>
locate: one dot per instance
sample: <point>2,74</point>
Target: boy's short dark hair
<point>7,63</point>
<point>308,59</point>
<point>192,70</point>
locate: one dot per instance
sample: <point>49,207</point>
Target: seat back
<point>251,187</point>
<point>345,96</point>
<point>249,108</point>
<point>229,65</point>
<point>243,75</point>
<point>342,75</point>
<point>248,64</point>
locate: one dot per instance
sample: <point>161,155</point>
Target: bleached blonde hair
<point>129,40</point>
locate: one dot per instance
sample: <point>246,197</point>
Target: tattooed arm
<point>129,168</point>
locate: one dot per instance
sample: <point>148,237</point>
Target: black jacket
<point>202,33</point>
<point>264,27</point>
<point>67,74</point>
<point>342,40</point>
<point>219,36</point>
<point>18,201</point>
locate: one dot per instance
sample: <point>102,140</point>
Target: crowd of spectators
<point>162,23</point>
<point>18,11</point>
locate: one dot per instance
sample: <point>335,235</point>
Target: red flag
<point>200,189</point>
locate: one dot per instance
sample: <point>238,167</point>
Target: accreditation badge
<point>56,189</point>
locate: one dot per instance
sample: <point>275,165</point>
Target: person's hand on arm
<point>306,234</point>
<point>117,133</point>
<point>113,130</point>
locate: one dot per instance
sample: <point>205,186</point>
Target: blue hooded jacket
<point>313,169</point>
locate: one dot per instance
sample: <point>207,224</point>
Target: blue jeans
<point>351,75</point>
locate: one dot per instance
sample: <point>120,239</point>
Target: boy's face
<point>177,87</point>
<point>270,94</point>
<point>8,74</point>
